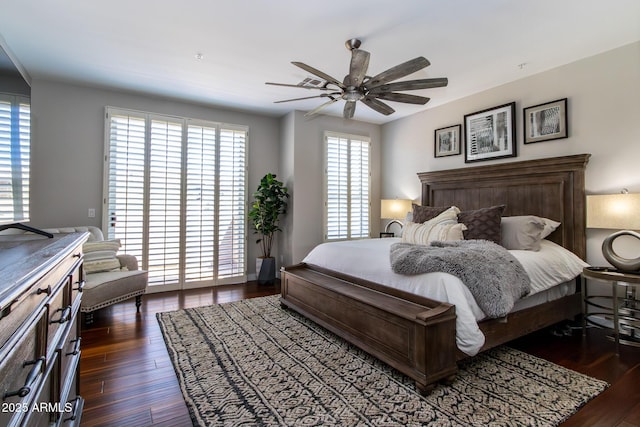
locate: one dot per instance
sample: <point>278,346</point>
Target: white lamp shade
<point>394,208</point>
<point>614,211</point>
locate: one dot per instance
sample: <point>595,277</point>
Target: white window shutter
<point>177,196</point>
<point>15,137</point>
<point>347,187</point>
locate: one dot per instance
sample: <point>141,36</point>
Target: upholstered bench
<point>110,277</point>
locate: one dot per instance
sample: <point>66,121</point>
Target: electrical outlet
<point>92,213</point>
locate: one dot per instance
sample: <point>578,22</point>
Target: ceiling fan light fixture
<point>358,86</point>
<point>352,94</point>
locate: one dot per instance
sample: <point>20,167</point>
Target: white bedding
<point>369,259</point>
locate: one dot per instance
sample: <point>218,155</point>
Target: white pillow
<point>443,227</point>
<point>101,256</point>
<point>524,232</point>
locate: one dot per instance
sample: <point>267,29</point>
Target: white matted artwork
<point>447,141</point>
<point>545,122</point>
<point>490,134</point>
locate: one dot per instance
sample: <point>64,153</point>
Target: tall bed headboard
<point>552,188</point>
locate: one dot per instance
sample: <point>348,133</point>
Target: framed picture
<point>447,141</point>
<point>545,122</point>
<point>490,134</point>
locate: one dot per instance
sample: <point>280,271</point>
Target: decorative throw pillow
<point>101,256</point>
<point>425,213</point>
<point>442,227</point>
<point>522,232</point>
<point>483,223</point>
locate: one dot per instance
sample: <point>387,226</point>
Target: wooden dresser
<point>41,282</point>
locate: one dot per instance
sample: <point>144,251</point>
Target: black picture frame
<point>490,134</point>
<point>545,122</point>
<point>447,141</point>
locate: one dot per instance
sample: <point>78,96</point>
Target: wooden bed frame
<point>416,335</point>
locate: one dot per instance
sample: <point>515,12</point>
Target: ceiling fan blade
<point>317,109</point>
<point>324,95</point>
<point>378,106</point>
<point>401,97</point>
<point>398,71</point>
<point>410,85</point>
<point>349,109</point>
<point>300,86</point>
<point>358,67</point>
<point>318,73</point>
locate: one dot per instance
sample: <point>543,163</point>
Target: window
<point>176,196</point>
<point>347,187</point>
<point>15,133</point>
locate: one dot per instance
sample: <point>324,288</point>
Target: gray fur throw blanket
<point>495,278</point>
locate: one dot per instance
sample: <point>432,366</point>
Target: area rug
<point>253,363</point>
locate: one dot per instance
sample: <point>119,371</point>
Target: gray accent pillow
<point>425,213</point>
<point>483,224</point>
<point>522,232</point>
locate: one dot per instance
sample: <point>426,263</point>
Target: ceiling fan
<point>357,86</point>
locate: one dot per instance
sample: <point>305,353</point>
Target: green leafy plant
<point>270,202</point>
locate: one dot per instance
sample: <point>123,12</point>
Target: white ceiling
<point>149,46</point>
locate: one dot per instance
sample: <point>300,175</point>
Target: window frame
<point>186,125</point>
<point>350,138</point>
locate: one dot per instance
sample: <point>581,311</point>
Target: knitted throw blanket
<point>495,278</point>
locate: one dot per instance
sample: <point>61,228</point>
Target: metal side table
<point>621,310</point>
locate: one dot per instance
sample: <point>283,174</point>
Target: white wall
<point>304,145</point>
<point>603,94</point>
<point>68,140</point>
<point>68,129</point>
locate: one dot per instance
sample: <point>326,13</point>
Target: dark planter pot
<point>267,271</point>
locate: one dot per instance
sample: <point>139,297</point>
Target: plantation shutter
<point>125,198</point>
<point>201,203</point>
<point>232,206</point>
<point>176,196</point>
<point>164,203</point>
<point>15,134</point>
<point>347,187</point>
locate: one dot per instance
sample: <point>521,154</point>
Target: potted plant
<point>270,202</point>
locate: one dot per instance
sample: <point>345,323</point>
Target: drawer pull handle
<point>78,255</point>
<point>76,347</point>
<point>38,364</point>
<point>80,284</point>
<point>46,290</point>
<point>76,406</point>
<point>64,317</point>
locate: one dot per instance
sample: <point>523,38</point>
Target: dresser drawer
<point>69,358</point>
<point>43,410</point>
<point>21,310</point>
<point>73,407</point>
<point>36,296</point>
<point>22,371</point>
<point>60,314</point>
<point>77,285</point>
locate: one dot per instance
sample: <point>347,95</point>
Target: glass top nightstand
<point>621,308</point>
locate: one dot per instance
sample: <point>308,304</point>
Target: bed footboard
<point>412,334</point>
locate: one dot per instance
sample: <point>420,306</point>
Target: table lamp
<point>395,210</point>
<point>616,211</point>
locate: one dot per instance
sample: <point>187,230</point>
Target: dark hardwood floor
<point>127,379</point>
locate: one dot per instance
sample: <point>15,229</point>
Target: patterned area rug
<point>253,363</point>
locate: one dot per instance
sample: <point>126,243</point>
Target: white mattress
<point>369,259</point>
